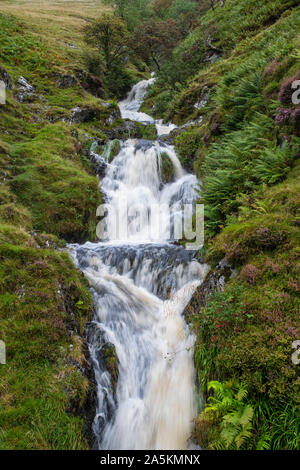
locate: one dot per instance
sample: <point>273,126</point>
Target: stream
<point>141,282</point>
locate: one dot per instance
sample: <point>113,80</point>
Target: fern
<point>228,407</point>
<point>274,164</point>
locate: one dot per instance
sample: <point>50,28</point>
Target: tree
<point>108,34</point>
<point>132,12</point>
<point>155,40</point>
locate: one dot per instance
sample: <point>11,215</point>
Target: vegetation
<point>48,196</point>
<point>225,70</point>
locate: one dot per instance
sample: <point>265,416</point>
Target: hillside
<point>226,82</point>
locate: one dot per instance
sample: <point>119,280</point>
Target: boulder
<point>5,77</point>
<point>26,92</point>
<point>125,130</point>
<point>66,81</point>
<point>88,113</point>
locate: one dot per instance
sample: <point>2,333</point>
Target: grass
<point>41,296</point>
<point>55,21</point>
<point>48,195</point>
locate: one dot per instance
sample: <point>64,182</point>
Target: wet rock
<point>214,281</point>
<point>110,359</point>
<point>105,365</point>
<point>203,100</point>
<point>114,150</point>
<point>26,92</point>
<point>143,144</point>
<point>167,169</point>
<point>88,113</point>
<point>126,130</point>
<point>211,57</point>
<point>5,77</point>
<point>170,139</point>
<point>115,112</point>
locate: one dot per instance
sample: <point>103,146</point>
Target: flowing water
<point>141,283</point>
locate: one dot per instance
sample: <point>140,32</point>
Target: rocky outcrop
<point>26,92</point>
<point>167,169</point>
<point>115,112</point>
<point>66,81</point>
<point>214,281</point>
<point>125,130</point>
<point>85,114</point>
<point>5,77</point>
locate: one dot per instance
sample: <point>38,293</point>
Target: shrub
<point>249,273</point>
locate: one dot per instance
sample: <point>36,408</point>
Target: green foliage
<point>51,183</point>
<point>228,406</point>
<point>37,385</point>
<point>107,34</point>
<point>238,163</point>
<point>277,426</point>
<point>167,169</point>
<point>154,40</point>
<point>18,47</point>
<point>133,12</point>
<point>188,144</point>
<point>274,164</point>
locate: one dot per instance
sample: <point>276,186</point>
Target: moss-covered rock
<point>167,169</point>
<point>50,181</point>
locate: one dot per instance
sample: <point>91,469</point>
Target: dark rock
<point>126,130</point>
<point>66,81</point>
<point>167,169</point>
<point>170,139</point>
<point>26,92</point>
<point>214,281</point>
<point>143,144</point>
<point>5,77</point>
<point>203,99</point>
<point>85,114</point>
<point>89,407</point>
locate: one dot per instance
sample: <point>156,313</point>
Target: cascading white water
<point>141,284</point>
<point>130,108</point>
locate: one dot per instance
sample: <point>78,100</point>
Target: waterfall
<point>141,283</point>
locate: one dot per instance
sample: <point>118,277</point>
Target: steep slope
<point>241,136</point>
<point>49,195</point>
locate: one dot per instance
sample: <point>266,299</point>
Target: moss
<point>39,295</point>
<point>50,181</point>
<point>111,363</point>
<point>148,132</point>
<point>114,150</point>
<point>167,169</point>
<point>188,144</point>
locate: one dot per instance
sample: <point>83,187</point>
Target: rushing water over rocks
<point>141,283</point>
